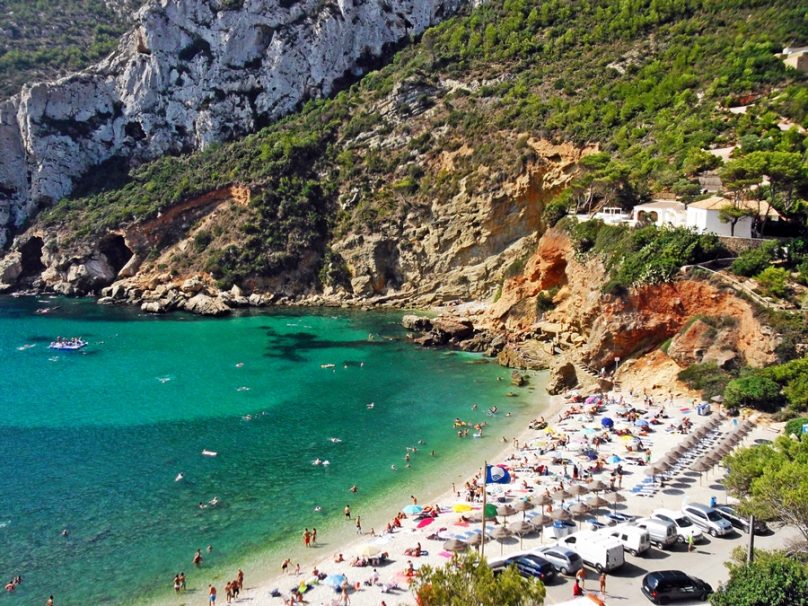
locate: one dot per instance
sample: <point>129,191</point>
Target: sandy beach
<point>388,583</point>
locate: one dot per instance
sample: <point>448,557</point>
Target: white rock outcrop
<point>190,73</point>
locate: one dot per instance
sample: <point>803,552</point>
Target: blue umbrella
<point>607,422</point>
<point>613,459</point>
<point>334,580</point>
<point>641,423</point>
<point>412,509</point>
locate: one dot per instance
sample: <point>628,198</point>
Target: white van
<point>600,551</point>
<point>635,540</point>
<point>662,534</point>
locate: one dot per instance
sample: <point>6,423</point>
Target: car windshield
<point>574,557</point>
<point>712,515</point>
<point>683,522</point>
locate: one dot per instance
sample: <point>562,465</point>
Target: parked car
<point>663,534</point>
<point>685,528</point>
<point>674,585</point>
<point>600,551</point>
<point>635,540</point>
<point>739,521</point>
<point>707,519</point>
<point>528,565</point>
<point>564,560</point>
<point>532,565</point>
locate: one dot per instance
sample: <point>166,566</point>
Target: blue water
<point>92,441</point>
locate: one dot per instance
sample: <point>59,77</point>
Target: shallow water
<point>93,441</point>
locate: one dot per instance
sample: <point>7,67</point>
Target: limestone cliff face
<point>702,322</point>
<point>191,72</point>
<point>460,248</point>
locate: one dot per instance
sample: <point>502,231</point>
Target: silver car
<point>708,519</point>
<point>563,559</point>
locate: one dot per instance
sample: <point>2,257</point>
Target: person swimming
<point>335,440</point>
<point>393,467</point>
<point>179,477</point>
<point>371,406</point>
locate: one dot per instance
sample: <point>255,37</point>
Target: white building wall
<point>708,221</point>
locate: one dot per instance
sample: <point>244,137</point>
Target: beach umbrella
<point>652,470</point>
<point>335,580</point>
<point>579,510</point>
<point>499,534</point>
<point>597,486</point>
<point>542,499</point>
<point>520,529</point>
<point>370,551</point>
<point>596,501</point>
<point>701,465</point>
<point>560,514</point>
<point>679,449</point>
<point>689,442</point>
<point>455,545</point>
<point>523,506</point>
<point>560,494</point>
<point>540,520</point>
<point>490,511</point>
<point>412,509</point>
<point>613,498</point>
<point>613,459</point>
<point>670,459</point>
<point>476,539</point>
<point>641,423</point>
<point>663,464</point>
<point>607,422</point>
<point>461,507</point>
<point>578,490</point>
<point>724,449</point>
<point>506,510</point>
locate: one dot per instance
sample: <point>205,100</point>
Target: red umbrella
<point>425,522</point>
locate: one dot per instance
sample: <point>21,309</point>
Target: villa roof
<point>661,205</point>
<point>719,202</point>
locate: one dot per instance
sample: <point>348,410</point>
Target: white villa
<point>703,216</point>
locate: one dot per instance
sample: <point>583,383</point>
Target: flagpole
<point>482,542</point>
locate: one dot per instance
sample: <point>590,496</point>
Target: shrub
<point>794,426</point>
<point>755,260</point>
<point>774,281</point>
<point>755,391</point>
<point>707,378</point>
<point>557,210</point>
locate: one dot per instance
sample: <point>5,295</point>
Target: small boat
<point>69,345</point>
<point>209,453</point>
<point>327,365</point>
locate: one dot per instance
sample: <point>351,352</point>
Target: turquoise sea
<point>93,441</point>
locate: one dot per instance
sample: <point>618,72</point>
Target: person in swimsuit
<point>211,594</point>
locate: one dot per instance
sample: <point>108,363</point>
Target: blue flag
<point>494,474</point>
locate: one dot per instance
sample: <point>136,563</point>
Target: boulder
<point>206,306</point>
<point>455,329</point>
<point>518,379</point>
<point>417,323</point>
<point>152,307</point>
<point>10,268</point>
<point>192,285</point>
<point>562,377</point>
<point>92,274</point>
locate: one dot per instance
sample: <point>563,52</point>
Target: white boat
<point>69,345</point>
<point>209,453</point>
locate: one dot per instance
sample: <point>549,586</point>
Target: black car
<point>531,565</point>
<point>673,585</point>
<point>739,521</point>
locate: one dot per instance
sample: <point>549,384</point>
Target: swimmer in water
<point>393,467</point>
<point>371,405</point>
<point>240,365</point>
<point>179,477</point>
<point>354,488</point>
<point>335,440</point>
<point>474,407</point>
<point>65,533</point>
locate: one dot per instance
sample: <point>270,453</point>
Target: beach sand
<point>658,441</point>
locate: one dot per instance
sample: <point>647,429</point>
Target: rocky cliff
<point>190,73</point>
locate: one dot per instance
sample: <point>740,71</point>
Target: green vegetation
<point>769,388</point>
<point>774,281</point>
<point>707,378</point>
<point>44,39</point>
<point>469,580</point>
<point>645,80</point>
<point>794,426</point>
<point>755,260</point>
<point>646,255</point>
<point>772,579</point>
<point>771,480</point>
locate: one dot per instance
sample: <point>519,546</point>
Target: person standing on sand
<point>580,576</point>
<point>603,582</point>
<point>240,579</point>
<point>212,595</point>
<point>358,524</point>
<point>313,536</point>
<point>182,581</point>
<point>285,565</point>
<point>306,537</point>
